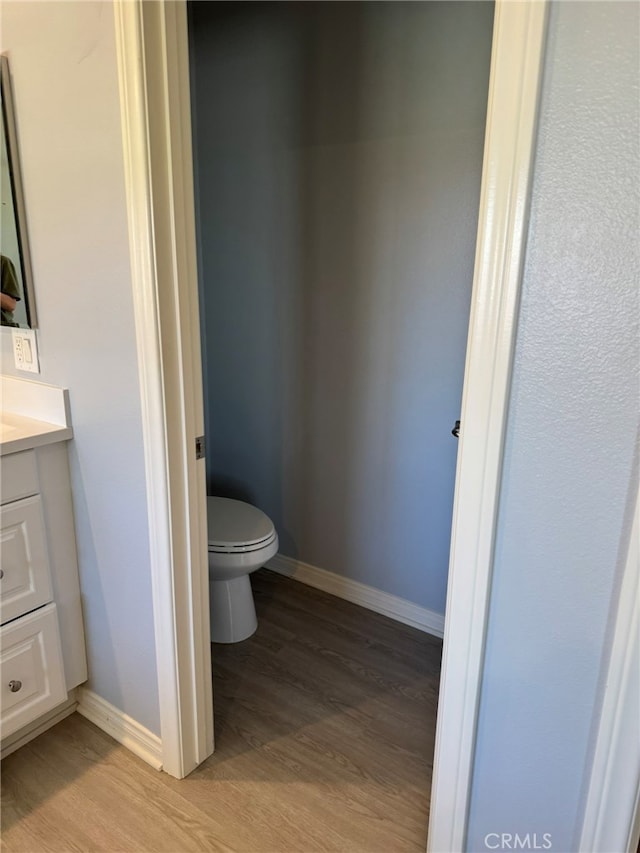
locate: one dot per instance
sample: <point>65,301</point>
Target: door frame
<point>153,63</point>
<point>514,87</point>
<point>612,811</point>
<point>153,75</point>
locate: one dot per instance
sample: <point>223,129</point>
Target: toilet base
<point>233,613</point>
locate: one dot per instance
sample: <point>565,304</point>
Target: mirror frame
<point>11,138</point>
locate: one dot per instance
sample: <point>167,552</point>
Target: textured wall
<point>339,151</point>
<point>570,471</point>
<point>63,61</point>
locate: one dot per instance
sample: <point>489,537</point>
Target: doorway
<point>338,159</point>
<point>155,97</point>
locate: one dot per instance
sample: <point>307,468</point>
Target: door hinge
<point>200,447</point>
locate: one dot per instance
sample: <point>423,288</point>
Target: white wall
<point>571,464</point>
<point>339,153</point>
<point>63,61</point>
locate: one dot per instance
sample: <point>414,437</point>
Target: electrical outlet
<point>25,350</point>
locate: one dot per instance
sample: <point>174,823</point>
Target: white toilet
<point>241,539</point>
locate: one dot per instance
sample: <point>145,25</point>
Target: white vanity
<point>42,649</point>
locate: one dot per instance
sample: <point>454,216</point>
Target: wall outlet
<point>25,350</point>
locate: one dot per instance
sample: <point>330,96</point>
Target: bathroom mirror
<point>18,302</point>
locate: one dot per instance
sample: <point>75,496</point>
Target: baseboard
<point>127,731</point>
<point>37,727</point>
<point>359,593</point>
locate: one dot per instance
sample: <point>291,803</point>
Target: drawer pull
<point>1,574</point>
<point>14,686</point>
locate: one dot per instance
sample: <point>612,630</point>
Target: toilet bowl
<point>241,539</point>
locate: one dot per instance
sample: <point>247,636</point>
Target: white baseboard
<point>42,724</point>
<point>359,593</point>
<point>127,731</point>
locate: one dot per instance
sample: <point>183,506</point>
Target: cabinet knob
<point>14,686</point>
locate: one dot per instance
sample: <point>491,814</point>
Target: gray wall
<point>339,152</point>
<point>570,473</point>
<point>63,60</point>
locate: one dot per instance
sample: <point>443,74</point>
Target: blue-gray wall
<point>570,475</point>
<point>339,153</point>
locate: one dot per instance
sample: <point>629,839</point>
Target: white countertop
<point>32,414</point>
<point>18,432</point>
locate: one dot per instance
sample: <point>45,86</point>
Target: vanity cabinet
<point>42,652</point>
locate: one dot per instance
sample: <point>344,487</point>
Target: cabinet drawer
<point>25,580</point>
<point>18,476</point>
<point>31,669</point>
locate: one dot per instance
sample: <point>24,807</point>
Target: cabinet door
<point>31,669</point>
<point>19,476</point>
<point>25,580</point>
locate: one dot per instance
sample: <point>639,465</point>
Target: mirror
<point>18,306</point>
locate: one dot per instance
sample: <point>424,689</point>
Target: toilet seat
<point>237,527</point>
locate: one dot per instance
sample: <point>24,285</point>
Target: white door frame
<point>514,86</point>
<point>612,812</point>
<point>153,68</point>
<point>155,104</point>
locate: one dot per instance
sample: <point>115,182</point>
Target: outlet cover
<point>25,350</point>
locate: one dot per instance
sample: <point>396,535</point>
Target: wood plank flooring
<point>324,721</point>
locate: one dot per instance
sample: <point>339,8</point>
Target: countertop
<point>18,432</point>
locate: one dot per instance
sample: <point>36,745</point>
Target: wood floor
<point>325,723</point>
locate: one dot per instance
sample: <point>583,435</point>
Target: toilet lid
<point>235,523</point>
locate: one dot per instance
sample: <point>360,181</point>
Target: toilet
<point>241,539</point>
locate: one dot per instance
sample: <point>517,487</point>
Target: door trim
<point>153,71</point>
<point>514,85</point>
<point>611,819</point>
<point>154,84</point>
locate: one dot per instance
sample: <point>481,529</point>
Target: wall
<point>66,91</point>
<point>570,475</point>
<point>339,151</point>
